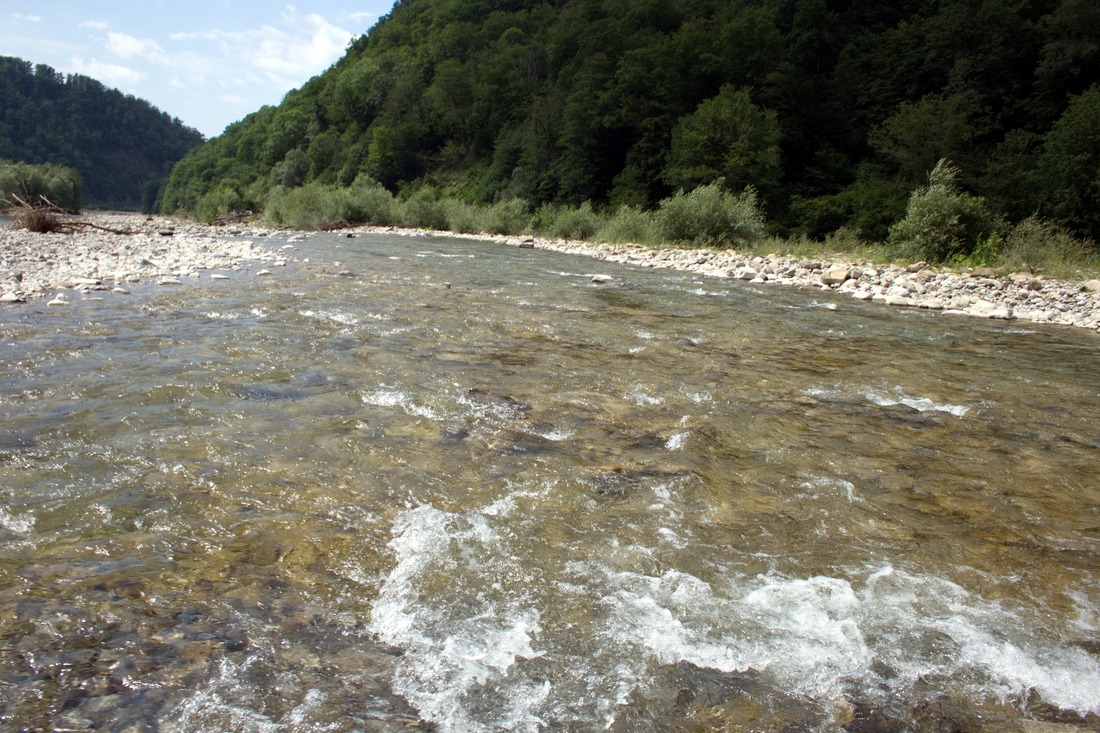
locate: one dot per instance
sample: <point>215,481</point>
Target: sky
<point>207,62</point>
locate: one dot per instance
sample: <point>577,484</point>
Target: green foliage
<point>218,202</point>
<point>832,111</point>
<point>727,137</point>
<point>322,206</point>
<point>567,222</point>
<point>424,209</point>
<point>60,185</point>
<point>1070,165</point>
<point>629,225</point>
<point>712,215</point>
<point>1040,247</point>
<point>941,221</point>
<point>118,144</point>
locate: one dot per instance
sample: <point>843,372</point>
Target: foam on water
<point>22,524</point>
<point>891,398</point>
<point>336,316</point>
<point>677,441</point>
<point>474,607</point>
<point>389,397</point>
<point>462,640</point>
<point>920,404</point>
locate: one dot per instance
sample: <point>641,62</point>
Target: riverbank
<point>157,250</point>
<point>166,251</point>
<point>979,292</point>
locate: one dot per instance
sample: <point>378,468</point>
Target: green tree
<point>727,137</point>
<point>937,126</point>
<point>1070,166</point>
<point>942,221</point>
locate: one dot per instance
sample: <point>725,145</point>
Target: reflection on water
<point>450,485</point>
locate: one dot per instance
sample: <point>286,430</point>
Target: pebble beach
<point>162,251</point>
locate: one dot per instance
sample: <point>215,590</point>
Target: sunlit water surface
<point>354,498</point>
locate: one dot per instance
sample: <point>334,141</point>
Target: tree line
<point>833,111</point>
<point>122,146</point>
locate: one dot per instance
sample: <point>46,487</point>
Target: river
<point>436,484</point>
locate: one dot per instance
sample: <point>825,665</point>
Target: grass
<point>707,217</point>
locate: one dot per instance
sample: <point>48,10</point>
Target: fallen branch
<point>44,217</point>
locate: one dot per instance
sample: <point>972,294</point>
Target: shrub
<point>424,210</point>
<point>712,215</point>
<point>220,201</point>
<point>368,202</point>
<point>507,217</point>
<point>629,225</point>
<point>941,222</point>
<point>59,185</point>
<point>313,206</point>
<point>568,223</point>
<point>463,217</point>
<point>1041,247</point>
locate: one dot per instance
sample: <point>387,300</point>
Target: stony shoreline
<point>163,251</point>
<point>88,261</point>
<point>978,292</point>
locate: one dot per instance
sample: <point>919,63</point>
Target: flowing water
<point>446,485</point>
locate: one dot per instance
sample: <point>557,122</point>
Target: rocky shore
<point>977,292</point>
<point>89,260</point>
<point>160,251</point>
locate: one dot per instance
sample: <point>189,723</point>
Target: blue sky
<point>208,62</point>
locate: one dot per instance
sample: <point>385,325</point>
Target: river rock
<point>899,300</point>
<point>60,299</point>
<point>12,298</point>
<point>602,279</point>
<point>1091,286</point>
<point>985,309</point>
<point>835,275</point>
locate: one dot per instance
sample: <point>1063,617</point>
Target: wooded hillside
<point>834,110</point>
<point>121,145</point>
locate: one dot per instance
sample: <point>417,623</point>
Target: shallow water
<point>447,485</point>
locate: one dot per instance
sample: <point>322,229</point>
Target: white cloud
<point>286,56</point>
<point>27,18</point>
<point>127,46</point>
<point>110,74</point>
<point>96,25</point>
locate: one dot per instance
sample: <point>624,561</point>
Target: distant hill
<point>121,145</point>
<point>834,110</point>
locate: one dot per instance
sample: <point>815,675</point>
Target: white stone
<point>219,276</point>
<point>835,275</point>
<point>11,298</point>
<point>985,309</point>
<point>169,281</point>
<point>900,300</point>
<point>602,279</point>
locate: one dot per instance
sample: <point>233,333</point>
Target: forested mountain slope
<point>834,110</point>
<point>118,143</point>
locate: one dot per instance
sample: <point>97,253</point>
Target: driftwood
<point>43,216</point>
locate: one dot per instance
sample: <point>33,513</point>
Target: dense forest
<point>122,146</point>
<point>834,111</point>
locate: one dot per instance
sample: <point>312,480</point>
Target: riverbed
<point>444,484</point>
